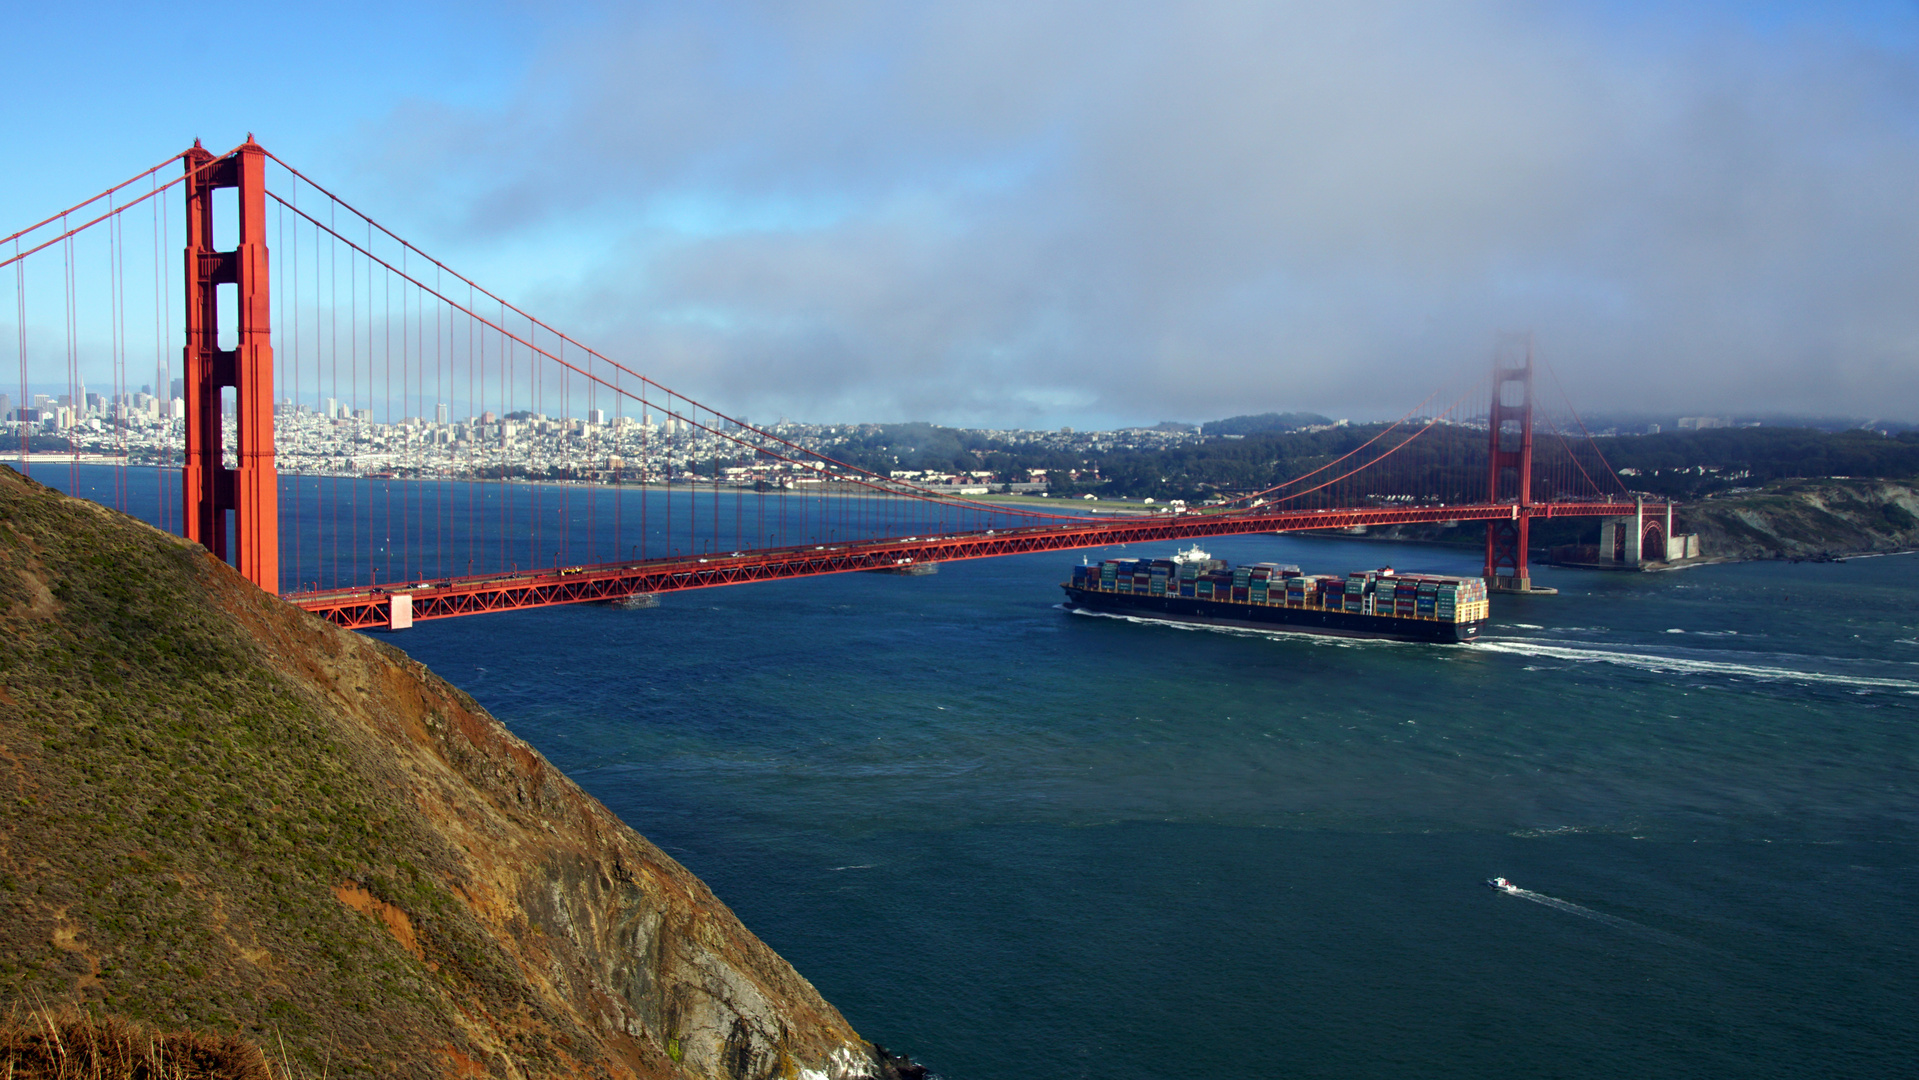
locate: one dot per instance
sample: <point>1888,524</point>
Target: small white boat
<point>1502,885</point>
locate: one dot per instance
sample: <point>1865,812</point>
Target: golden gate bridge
<point>322,339</point>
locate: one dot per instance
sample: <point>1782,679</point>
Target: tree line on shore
<point>1447,462</point>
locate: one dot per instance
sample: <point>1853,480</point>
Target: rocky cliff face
<point>1805,519</point>
<point>217,811</point>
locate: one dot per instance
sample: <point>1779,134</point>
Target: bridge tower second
<point>249,490</point>
<point>1510,465</point>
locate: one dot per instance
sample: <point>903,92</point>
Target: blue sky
<point>1083,213</point>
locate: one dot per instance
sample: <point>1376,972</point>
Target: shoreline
<point>1651,568</point>
<point>1013,503</point>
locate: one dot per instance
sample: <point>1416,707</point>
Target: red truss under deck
<point>373,607</point>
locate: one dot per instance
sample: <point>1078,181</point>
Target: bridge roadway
<point>372,607</point>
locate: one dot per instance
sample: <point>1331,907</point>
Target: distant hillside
<point>884,447</point>
<point>1686,465</point>
<point>1263,422</point>
<point>219,813</point>
<point>1692,464</point>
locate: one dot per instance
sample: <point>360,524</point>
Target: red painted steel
<point>209,488</point>
<point>249,490</point>
<point>1652,527</point>
<point>370,607</point>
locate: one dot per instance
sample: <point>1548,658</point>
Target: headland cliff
<point>223,815</point>
<point>1800,519</point>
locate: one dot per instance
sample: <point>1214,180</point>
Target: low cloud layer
<point>1099,213</point>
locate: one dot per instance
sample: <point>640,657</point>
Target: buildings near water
<point>333,437</point>
<point>337,439</point>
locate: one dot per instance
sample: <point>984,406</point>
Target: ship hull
<point>1272,617</point>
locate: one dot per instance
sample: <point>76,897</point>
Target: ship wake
<point>1315,637</point>
<point>1754,666</point>
<point>1584,912</point>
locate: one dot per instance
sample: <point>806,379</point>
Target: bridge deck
<point>441,598</point>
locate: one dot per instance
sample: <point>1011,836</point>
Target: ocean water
<point>1013,841</point>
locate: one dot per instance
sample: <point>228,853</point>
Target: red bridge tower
<point>1510,465</point>
<point>211,490</point>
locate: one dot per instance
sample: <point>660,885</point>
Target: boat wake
<point>1583,912</point>
<point>1243,631</point>
<point>1668,662</point>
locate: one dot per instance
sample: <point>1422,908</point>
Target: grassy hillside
<point>220,813</point>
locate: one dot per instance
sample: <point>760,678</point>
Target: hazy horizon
<point>1087,215</point>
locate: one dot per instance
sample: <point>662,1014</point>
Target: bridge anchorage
<point>379,439</point>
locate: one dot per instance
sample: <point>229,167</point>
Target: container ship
<point>1197,588</point>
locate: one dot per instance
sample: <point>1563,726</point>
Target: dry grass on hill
<point>75,1046</point>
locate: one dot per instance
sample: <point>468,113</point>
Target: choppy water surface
<point>1020,842</point>
<point>1014,841</point>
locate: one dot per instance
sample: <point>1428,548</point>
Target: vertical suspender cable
<point>453,326</point>
<point>646,473</point>
<point>331,351</point>
<point>293,362</point>
<point>74,405</point>
<point>159,348</point>
<point>116,320</point>
<point>386,370</point>
<point>20,327</point>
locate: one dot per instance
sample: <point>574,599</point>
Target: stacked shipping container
<point>1371,592</point>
